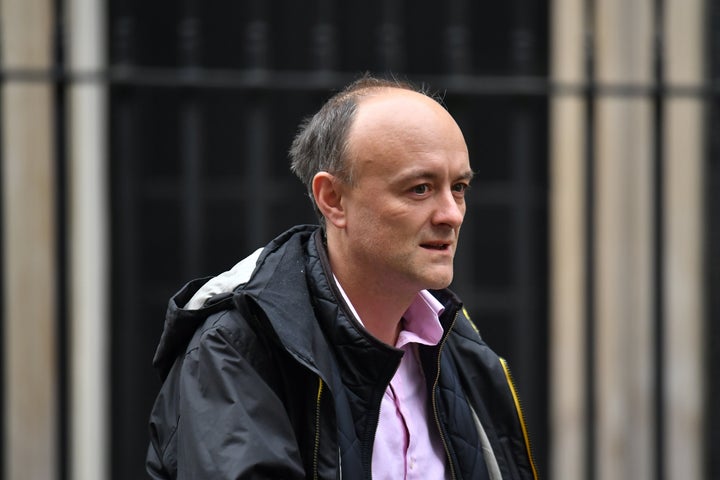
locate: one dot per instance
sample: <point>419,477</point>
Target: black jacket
<point>277,380</point>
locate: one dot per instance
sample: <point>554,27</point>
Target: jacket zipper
<point>316,448</point>
<point>521,416</point>
<point>434,401</point>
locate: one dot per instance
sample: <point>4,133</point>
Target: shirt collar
<point>421,322</point>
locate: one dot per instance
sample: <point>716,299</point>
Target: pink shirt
<point>407,443</point>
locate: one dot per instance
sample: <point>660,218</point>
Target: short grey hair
<point>321,143</point>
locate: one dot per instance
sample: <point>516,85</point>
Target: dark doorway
<point>204,104</point>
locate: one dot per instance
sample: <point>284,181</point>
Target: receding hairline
<point>363,91</point>
<point>403,98</point>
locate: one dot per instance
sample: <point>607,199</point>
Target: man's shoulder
<point>466,327</point>
<point>469,348</point>
<point>236,322</point>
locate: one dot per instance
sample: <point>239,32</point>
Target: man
<point>337,351</point>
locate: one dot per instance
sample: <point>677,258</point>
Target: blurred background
<point>143,144</point>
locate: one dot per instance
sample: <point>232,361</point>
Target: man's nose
<point>450,210</point>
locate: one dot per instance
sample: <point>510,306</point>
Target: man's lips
<point>436,245</point>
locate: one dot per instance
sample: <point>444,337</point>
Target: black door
<point>205,100</point>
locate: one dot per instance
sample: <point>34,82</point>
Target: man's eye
<point>420,189</point>
<point>461,187</point>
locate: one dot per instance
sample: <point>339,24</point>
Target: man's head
<point>392,197</point>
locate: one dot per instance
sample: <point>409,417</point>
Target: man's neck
<point>380,313</point>
<point>382,323</point>
<point>379,303</point>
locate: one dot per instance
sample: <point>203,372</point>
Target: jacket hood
<point>200,298</point>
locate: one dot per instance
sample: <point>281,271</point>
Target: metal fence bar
<point>391,37</point>
<point>257,125</point>
<point>712,245</point>
<point>125,146</point>
<point>658,283</point>
<point>3,286</point>
<point>324,37</point>
<point>457,38</point>
<point>301,81</point>
<point>190,128</point>
<point>590,255</point>
<point>62,270</point>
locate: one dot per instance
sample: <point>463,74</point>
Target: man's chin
<point>438,282</point>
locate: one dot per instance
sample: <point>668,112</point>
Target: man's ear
<point>328,190</point>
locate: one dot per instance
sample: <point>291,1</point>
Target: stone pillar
<point>684,142</point>
<point>567,247</point>
<point>625,248</point>
<point>29,245</point>
<point>88,253</point>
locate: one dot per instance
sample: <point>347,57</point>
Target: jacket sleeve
<point>230,423</point>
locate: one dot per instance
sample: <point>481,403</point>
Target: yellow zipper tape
<point>516,399</point>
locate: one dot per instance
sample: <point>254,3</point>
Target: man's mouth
<point>435,246</point>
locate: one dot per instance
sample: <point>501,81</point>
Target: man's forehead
<point>394,112</point>
<point>380,97</point>
<point>393,124</point>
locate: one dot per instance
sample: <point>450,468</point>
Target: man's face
<point>407,202</point>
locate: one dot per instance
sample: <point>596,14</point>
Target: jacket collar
<point>293,286</point>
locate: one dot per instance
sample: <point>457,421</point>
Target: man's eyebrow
<point>429,174</point>
<point>468,175</point>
